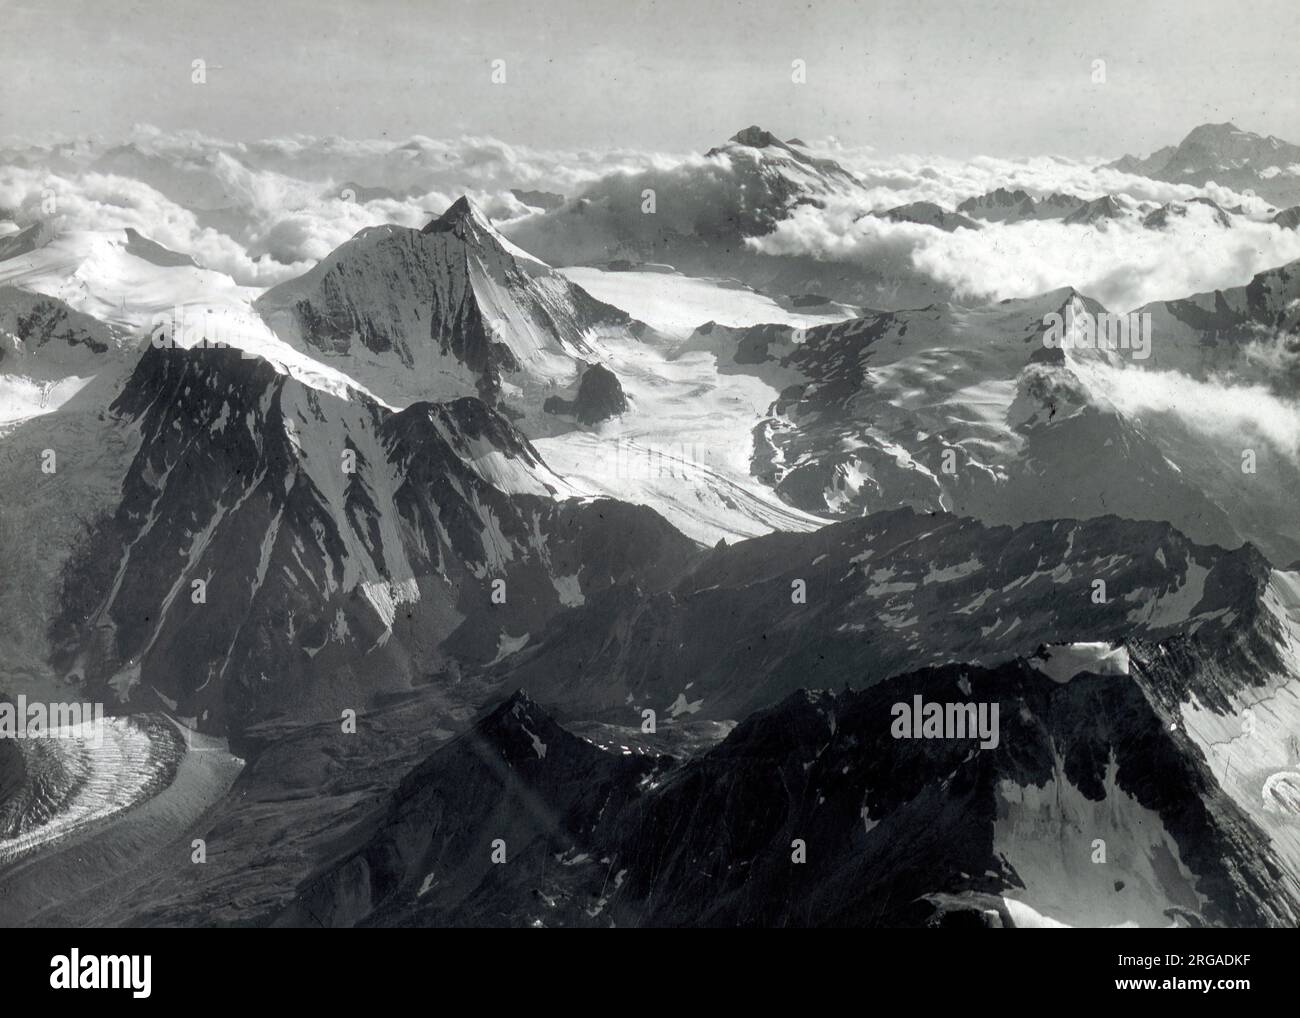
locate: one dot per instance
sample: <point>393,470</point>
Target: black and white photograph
<point>519,464</point>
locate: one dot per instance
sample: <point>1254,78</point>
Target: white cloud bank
<point>1120,263</point>
<point>264,211</point>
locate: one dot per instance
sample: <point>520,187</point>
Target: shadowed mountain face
<point>1107,788</point>
<point>1089,811</point>
<point>281,547</point>
<point>600,396</point>
<point>1288,218</point>
<point>1250,332</point>
<point>48,340</point>
<point>859,601</point>
<point>25,241</point>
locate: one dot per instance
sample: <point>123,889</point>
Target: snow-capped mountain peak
<point>1227,155</point>
<point>798,170</point>
<point>466,220</point>
<point>451,310</point>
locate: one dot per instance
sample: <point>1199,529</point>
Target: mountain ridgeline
<point>451,310</point>
<point>375,507</point>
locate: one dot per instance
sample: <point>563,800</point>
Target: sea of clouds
<point>265,211</point>
<point>1120,263</point>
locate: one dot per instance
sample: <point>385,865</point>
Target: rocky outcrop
<point>600,397</point>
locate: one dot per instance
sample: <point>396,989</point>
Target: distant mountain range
<point>704,212</point>
<point>701,216</point>
<point>1226,155</point>
<point>1002,205</point>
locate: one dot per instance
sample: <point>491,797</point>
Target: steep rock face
<point>49,352</point>
<point>1119,784</point>
<point>600,397</point>
<point>889,825</point>
<point>1229,347</point>
<point>35,326</point>
<point>282,548</point>
<point>451,310</point>
<point>1087,809</point>
<point>62,458</point>
<point>1233,331</point>
<point>25,241</point>
<point>859,601</point>
<point>516,784</point>
<point>1288,218</point>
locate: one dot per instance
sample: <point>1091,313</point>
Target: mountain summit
<point>706,210</point>
<point>450,310</point>
<point>776,158</point>
<point>465,220</point>
<point>754,136</point>
<point>1227,155</point>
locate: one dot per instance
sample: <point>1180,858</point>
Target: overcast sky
<point>954,78</point>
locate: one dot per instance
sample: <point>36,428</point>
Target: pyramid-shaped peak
<point>462,218</point>
<point>519,698</point>
<point>520,716</point>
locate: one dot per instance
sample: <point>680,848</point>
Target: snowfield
<point>118,278</point>
<point>683,448</point>
<point>1065,661</point>
<point>676,305</point>
<point>1050,837</point>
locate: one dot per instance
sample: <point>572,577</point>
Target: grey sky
<point>998,78</point>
